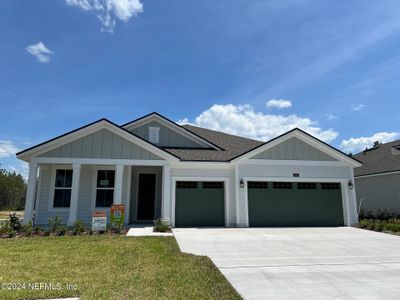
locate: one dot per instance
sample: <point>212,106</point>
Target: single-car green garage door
<point>199,203</point>
<point>295,204</point>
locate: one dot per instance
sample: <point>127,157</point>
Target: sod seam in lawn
<point>109,267</point>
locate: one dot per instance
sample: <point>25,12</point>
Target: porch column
<point>30,192</point>
<point>166,195</point>
<point>73,208</point>
<point>119,173</point>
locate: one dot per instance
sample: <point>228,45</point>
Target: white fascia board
<point>202,165</point>
<point>305,138</point>
<point>89,130</point>
<point>174,127</point>
<point>315,163</point>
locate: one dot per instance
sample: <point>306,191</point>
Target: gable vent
<point>154,135</point>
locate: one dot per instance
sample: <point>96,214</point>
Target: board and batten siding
<point>379,193</point>
<point>101,144</point>
<point>294,149</point>
<point>167,137</point>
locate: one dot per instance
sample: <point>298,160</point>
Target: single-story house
<point>189,176</point>
<point>378,180</point>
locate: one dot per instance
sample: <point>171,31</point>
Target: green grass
<point>110,267</point>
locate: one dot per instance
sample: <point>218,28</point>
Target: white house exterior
<point>189,176</point>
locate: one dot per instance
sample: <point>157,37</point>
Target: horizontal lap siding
<point>43,213</point>
<point>379,193</point>
<point>102,144</point>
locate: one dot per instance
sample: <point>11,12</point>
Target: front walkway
<point>145,230</point>
<point>301,263</point>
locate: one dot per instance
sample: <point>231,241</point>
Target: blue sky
<point>330,67</point>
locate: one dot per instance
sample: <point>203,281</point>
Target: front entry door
<point>146,196</point>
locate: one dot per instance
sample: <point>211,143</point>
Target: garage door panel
<point>294,207</point>
<point>200,206</point>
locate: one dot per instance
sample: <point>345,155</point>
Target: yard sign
<point>117,213</point>
<point>99,221</point>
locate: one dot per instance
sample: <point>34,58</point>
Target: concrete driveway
<point>301,263</point>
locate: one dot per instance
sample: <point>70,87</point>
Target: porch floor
<point>145,230</point>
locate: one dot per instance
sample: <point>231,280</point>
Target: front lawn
<point>107,267</point>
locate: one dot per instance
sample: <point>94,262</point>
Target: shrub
<point>37,230</point>
<point>6,229</point>
<point>78,227</point>
<point>161,226</point>
<point>55,226</point>
<point>27,229</point>
<point>15,223</point>
<point>117,226</point>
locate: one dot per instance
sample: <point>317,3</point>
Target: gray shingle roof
<point>233,146</point>
<point>380,159</point>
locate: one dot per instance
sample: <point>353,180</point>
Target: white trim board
<point>226,181</point>
<point>99,161</point>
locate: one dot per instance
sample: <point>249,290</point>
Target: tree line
<point>12,190</point>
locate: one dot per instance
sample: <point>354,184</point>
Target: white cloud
<point>357,107</point>
<point>355,145</point>
<point>331,117</point>
<point>279,103</point>
<point>244,121</point>
<point>7,148</point>
<point>40,51</point>
<point>107,11</point>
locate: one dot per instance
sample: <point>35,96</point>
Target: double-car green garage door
<point>269,204</point>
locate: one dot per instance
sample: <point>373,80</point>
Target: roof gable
<point>294,149</point>
<point>89,129</point>
<point>306,138</point>
<point>101,144</point>
<point>181,133</point>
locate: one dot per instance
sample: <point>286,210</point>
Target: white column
<point>166,195</point>
<point>73,208</point>
<point>119,174</point>
<point>30,192</point>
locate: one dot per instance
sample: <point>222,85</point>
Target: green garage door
<point>295,204</point>
<point>199,204</point>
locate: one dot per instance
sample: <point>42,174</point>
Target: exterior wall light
<point>241,183</point>
<point>351,185</point>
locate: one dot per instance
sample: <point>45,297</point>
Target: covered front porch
<point>74,188</point>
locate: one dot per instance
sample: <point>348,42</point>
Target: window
<point>186,184</point>
<point>154,135</point>
<point>62,188</point>
<point>282,185</point>
<point>105,188</point>
<point>330,186</point>
<point>213,185</point>
<point>257,185</point>
<point>307,186</point>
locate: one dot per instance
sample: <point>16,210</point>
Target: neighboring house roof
<point>384,158</point>
<point>233,146</point>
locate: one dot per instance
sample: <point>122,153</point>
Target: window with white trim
<point>154,135</point>
<point>105,188</point>
<point>62,188</point>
